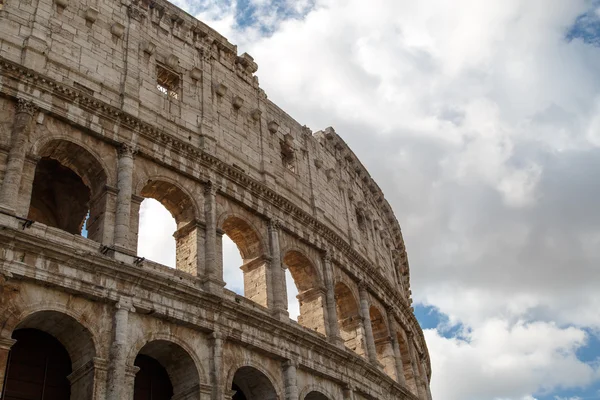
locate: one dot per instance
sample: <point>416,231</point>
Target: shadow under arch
<point>311,294</point>
<point>315,392</point>
<point>70,334</point>
<point>70,181</point>
<point>182,207</point>
<point>255,267</point>
<point>181,369</point>
<point>251,383</point>
<point>349,320</point>
<point>314,395</point>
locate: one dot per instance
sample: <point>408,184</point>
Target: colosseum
<point>105,103</point>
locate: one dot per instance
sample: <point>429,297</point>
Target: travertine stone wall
<point>106,102</point>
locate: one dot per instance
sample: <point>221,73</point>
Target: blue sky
<point>480,120</point>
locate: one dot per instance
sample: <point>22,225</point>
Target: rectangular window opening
<point>167,82</point>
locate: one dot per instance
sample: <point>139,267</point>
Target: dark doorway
<point>239,395</point>
<point>152,381</point>
<point>38,366</point>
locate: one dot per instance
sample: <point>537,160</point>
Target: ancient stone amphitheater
<point>107,102</point>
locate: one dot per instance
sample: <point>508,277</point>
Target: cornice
<point>101,109</point>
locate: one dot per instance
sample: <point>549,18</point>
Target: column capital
<point>126,150</point>
<point>290,363</point>
<point>362,286</point>
<point>210,188</point>
<point>217,335</point>
<point>125,303</point>
<point>7,343</point>
<point>274,225</point>
<point>327,255</point>
<point>26,106</point>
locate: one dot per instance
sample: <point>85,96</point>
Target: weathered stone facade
<point>107,102</point>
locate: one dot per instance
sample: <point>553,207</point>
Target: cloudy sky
<point>480,120</point>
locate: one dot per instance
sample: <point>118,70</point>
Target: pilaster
<point>25,111</point>
<point>366,318</point>
<point>117,388</point>
<point>213,279</point>
<point>333,332</point>
<point>277,274</point>
<point>291,385</point>
<point>124,187</point>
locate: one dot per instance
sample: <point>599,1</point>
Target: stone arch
<point>182,366</point>
<point>381,335</point>
<point>37,149</point>
<point>315,392</point>
<point>245,235</point>
<point>21,312</point>
<point>253,381</point>
<point>70,181</point>
<point>183,208</point>
<point>349,320</point>
<point>77,340</point>
<point>314,395</point>
<point>249,242</point>
<point>311,293</point>
<point>171,194</point>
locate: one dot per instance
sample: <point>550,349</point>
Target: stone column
<point>291,385</point>
<point>333,332</point>
<point>415,366</point>
<point>366,318</point>
<point>216,370</point>
<point>5,345</point>
<point>9,195</point>
<point>400,378</point>
<point>213,279</point>
<point>116,389</point>
<point>277,274</point>
<point>124,187</point>
<point>348,393</point>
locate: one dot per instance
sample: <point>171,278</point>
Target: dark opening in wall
<point>361,220</point>
<point>167,82</point>
<point>59,198</point>
<point>287,156</point>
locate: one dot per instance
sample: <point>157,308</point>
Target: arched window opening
<point>407,364</point>
<point>383,345</point>
<point>155,233</point>
<point>156,223</point>
<point>232,260</point>
<point>349,320</point>
<point>50,347</point>
<point>251,384</point>
<point>292,296</point>
<point>59,198</point>
<point>252,260</point>
<point>166,371</point>
<point>69,190</point>
<point>311,296</point>
<point>152,381</point>
<point>38,368</point>
<point>315,396</point>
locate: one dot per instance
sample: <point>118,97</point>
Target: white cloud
<point>499,361</point>
<point>156,228</point>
